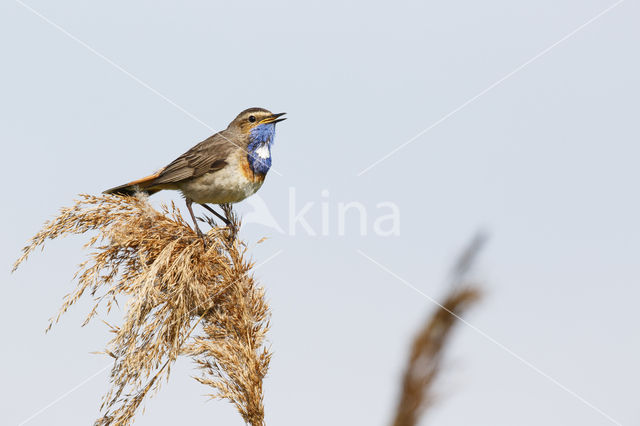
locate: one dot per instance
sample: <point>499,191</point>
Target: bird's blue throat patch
<point>259,149</point>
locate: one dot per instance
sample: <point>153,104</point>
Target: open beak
<point>274,118</point>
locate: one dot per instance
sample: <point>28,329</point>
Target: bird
<point>227,167</point>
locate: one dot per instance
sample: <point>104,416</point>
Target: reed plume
<point>173,282</point>
<point>427,348</point>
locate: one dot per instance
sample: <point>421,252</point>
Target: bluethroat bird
<point>224,168</point>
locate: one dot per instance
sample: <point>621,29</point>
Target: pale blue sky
<point>546,161</point>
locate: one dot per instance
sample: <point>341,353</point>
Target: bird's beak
<point>274,118</point>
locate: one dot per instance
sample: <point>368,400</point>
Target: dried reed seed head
<point>427,347</point>
<point>173,283</point>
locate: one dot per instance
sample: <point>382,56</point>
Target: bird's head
<point>257,122</point>
<point>258,128</point>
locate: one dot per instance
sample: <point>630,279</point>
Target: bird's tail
<point>144,185</point>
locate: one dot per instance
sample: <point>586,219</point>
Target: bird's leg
<point>193,217</point>
<point>230,225</point>
<point>224,219</point>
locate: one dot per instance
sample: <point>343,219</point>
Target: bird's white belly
<point>228,185</point>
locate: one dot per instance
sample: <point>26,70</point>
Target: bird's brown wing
<point>208,156</point>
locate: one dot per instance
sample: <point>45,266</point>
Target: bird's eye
<point>252,118</point>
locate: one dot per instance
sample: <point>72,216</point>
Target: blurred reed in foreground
<point>427,349</point>
<point>172,283</point>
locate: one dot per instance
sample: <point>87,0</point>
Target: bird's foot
<point>201,235</point>
<point>232,228</point>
